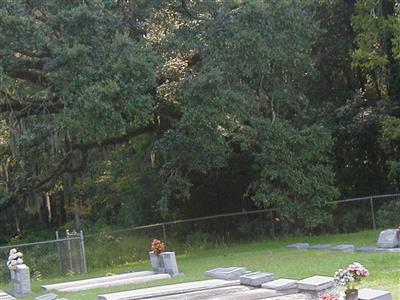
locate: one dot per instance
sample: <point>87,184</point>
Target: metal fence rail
<point>119,246</point>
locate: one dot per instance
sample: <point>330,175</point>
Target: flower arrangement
<point>14,259</point>
<point>349,277</point>
<point>328,297</point>
<point>157,247</point>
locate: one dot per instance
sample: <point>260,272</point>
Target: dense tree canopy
<point>124,112</point>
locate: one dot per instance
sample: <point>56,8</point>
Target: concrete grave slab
<point>299,246</point>
<point>254,294</point>
<point>348,248</point>
<point>5,296</point>
<point>281,284</point>
<point>114,283</point>
<point>47,297</point>
<point>315,283</point>
<point>168,290</point>
<point>388,239</point>
<point>63,285</point>
<point>231,273</point>
<point>372,294</point>
<point>205,294</point>
<point>367,249</point>
<point>320,247</point>
<point>389,250</point>
<point>256,279</point>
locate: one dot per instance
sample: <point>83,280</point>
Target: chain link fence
<point>75,253</point>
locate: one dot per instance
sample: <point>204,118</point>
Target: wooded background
<point>127,112</point>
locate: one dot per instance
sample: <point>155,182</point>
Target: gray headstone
<point>256,279</point>
<point>281,284</point>
<point>47,297</point>
<point>20,281</point>
<point>155,263</point>
<point>320,247</point>
<point>299,246</point>
<point>231,273</point>
<point>371,294</point>
<point>315,283</point>
<point>348,248</point>
<point>367,249</point>
<point>168,263</point>
<point>388,239</point>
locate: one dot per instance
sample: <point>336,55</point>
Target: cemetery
<point>234,282</point>
<point>200,149</point>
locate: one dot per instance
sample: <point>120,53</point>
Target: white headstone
<point>155,263</point>
<point>168,263</point>
<point>20,281</point>
<point>388,238</point>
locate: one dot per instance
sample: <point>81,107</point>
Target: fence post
<point>59,253</point>
<point>164,232</point>
<point>371,201</point>
<point>69,251</point>
<point>272,224</point>
<point>82,252</point>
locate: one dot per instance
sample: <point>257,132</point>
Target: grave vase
<point>351,294</point>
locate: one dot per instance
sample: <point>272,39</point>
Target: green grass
<point>270,256</point>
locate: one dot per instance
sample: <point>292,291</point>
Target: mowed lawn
<point>269,256</point>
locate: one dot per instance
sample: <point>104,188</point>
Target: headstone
<point>5,296</point>
<point>367,249</point>
<point>168,290</point>
<point>20,281</point>
<point>320,247</point>
<point>155,263</point>
<point>232,273</point>
<point>299,246</point>
<point>388,239</point>
<point>256,279</point>
<point>168,263</point>
<point>47,297</point>
<point>348,248</point>
<point>371,294</point>
<point>281,284</point>
<point>315,286</point>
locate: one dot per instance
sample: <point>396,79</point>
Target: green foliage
<point>388,215</point>
<point>293,171</point>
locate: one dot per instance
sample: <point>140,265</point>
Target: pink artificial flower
<point>328,297</point>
